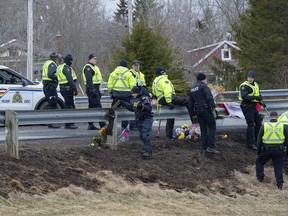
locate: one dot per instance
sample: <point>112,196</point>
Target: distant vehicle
<point>104,88</point>
<point>19,93</point>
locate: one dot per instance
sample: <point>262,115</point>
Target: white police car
<point>19,93</point>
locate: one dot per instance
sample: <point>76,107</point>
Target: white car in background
<point>19,93</point>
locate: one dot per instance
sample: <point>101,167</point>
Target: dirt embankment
<point>180,164</point>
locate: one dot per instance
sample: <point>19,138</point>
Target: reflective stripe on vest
<point>61,76</point>
<point>139,76</point>
<point>97,77</point>
<point>255,90</point>
<point>46,68</point>
<point>120,84</point>
<point>273,133</point>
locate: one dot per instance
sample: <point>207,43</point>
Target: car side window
<point>8,78</point>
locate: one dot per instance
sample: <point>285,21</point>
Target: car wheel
<point>45,105</point>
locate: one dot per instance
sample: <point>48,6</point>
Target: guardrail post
<point>11,130</point>
<point>111,141</point>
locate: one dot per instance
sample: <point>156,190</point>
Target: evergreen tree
<point>262,36</point>
<point>121,15</point>
<point>227,75</point>
<point>152,49</point>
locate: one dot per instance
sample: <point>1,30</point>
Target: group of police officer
<point>129,87</point>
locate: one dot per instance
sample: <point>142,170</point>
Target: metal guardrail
<point>89,115</point>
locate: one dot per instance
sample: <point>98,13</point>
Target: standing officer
<point>142,107</point>
<point>140,82</point>
<point>92,79</point>
<point>272,140</point>
<point>250,96</point>
<point>120,83</point>
<point>67,80</point>
<point>163,89</point>
<point>201,100</point>
<point>50,83</point>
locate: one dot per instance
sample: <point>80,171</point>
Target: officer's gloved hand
<point>140,106</point>
<point>75,92</point>
<point>258,98</point>
<point>263,105</point>
<point>171,106</point>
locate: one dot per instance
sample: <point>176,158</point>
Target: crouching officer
<point>272,141</point>
<point>50,83</point>
<point>142,107</point>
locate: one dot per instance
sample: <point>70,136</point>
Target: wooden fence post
<point>112,130</point>
<point>11,130</point>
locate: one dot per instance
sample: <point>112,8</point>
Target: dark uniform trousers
<point>94,102</point>
<point>144,128</point>
<point>50,92</point>
<point>176,100</point>
<point>68,95</point>
<point>207,126</point>
<point>253,121</point>
<point>276,154</point>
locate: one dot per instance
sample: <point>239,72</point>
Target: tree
<point>152,49</point>
<point>262,35</point>
<point>121,15</point>
<point>227,75</point>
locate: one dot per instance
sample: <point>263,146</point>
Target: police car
<point>19,93</point>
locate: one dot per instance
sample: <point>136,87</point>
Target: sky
<point>110,6</point>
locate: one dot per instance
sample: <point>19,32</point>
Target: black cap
<point>135,89</point>
<point>273,113</point>
<point>136,62</point>
<point>123,63</point>
<point>92,56</point>
<point>160,71</point>
<point>201,76</point>
<point>53,55</point>
<point>251,73</point>
<point>68,59</point>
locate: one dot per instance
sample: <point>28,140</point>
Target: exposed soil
<point>180,164</point>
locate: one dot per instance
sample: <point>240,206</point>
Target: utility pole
<point>130,12</point>
<point>30,41</point>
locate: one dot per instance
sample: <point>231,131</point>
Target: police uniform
<point>92,79</point>
<point>50,83</point>
<point>164,91</point>
<point>272,138</point>
<point>120,83</point>
<point>202,103</point>
<point>142,107</point>
<point>67,78</point>
<point>249,96</point>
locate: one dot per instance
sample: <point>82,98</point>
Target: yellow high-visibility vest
<point>162,87</point>
<point>61,76</point>
<point>273,133</point>
<point>97,77</point>
<point>45,69</point>
<point>255,90</point>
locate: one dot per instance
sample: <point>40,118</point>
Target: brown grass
<point>119,197</point>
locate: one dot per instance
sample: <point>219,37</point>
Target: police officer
<point>164,91</point>
<point>272,140</point>
<point>67,80</point>
<point>92,79</point>
<point>120,83</point>
<point>250,96</point>
<point>141,105</point>
<point>50,83</point>
<point>202,102</point>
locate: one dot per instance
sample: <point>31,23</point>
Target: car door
<point>13,95</point>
